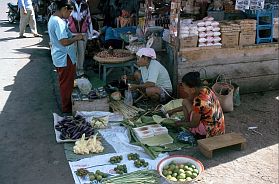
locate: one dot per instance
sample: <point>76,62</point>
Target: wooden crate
<point>94,105</point>
<point>208,145</point>
<point>230,39</point>
<point>247,38</point>
<point>187,42</point>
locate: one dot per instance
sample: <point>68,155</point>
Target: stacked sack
<point>188,34</point>
<point>188,28</point>
<point>209,32</point>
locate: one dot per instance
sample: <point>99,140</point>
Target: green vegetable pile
<point>120,169</point>
<point>137,177</point>
<point>115,159</point>
<point>82,172</point>
<point>180,172</point>
<point>140,163</point>
<point>133,156</point>
<point>98,175</point>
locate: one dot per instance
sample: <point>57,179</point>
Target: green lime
<point>188,173</point>
<point>194,175</point>
<point>196,171</point>
<point>181,171</point>
<point>193,166</point>
<point>181,176</point>
<point>165,172</point>
<point>188,179</point>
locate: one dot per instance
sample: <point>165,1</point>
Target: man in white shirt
<point>152,77</point>
<point>27,16</point>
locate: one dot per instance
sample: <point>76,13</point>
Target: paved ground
<point>29,153</point>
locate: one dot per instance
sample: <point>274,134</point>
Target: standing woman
<point>27,16</point>
<point>201,108</point>
<point>80,22</point>
<point>63,51</point>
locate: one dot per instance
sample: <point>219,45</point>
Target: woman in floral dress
<point>201,108</point>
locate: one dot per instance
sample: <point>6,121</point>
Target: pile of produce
<point>82,172</point>
<point>133,156</point>
<point>137,177</point>
<point>180,172</point>
<point>117,53</point>
<point>101,122</point>
<point>128,111</point>
<point>115,159</point>
<point>140,163</point>
<point>120,169</point>
<point>98,175</point>
<point>92,145</point>
<point>74,127</point>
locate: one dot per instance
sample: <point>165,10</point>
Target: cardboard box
<point>187,42</point>
<point>94,105</point>
<point>247,38</point>
<point>230,39</point>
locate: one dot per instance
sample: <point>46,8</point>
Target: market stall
<point>240,42</point>
<point>132,142</point>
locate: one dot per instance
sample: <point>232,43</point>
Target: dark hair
<point>192,79</point>
<point>63,3</point>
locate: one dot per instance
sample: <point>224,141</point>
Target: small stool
<point>208,145</point>
<point>108,67</point>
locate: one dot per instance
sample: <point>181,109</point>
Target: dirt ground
<point>258,163</point>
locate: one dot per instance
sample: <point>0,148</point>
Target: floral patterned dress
<point>212,121</point>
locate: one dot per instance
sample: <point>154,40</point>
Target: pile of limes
<point>115,159</point>
<point>180,172</point>
<point>120,169</point>
<point>140,163</point>
<point>133,156</point>
<point>98,175</point>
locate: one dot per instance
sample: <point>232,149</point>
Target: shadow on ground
<point>29,152</point>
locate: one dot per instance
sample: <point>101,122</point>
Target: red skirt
<point>66,77</point>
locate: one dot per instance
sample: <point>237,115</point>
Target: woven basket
<point>115,60</point>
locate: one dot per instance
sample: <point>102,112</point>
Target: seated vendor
<point>152,78</point>
<point>203,113</point>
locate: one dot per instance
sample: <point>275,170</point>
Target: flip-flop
<point>38,35</point>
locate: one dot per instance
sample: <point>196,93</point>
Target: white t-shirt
<point>157,74</point>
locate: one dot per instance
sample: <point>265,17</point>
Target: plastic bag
<point>128,100</point>
<point>84,85</point>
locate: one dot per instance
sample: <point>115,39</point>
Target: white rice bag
<point>202,29</point>
<point>215,23</point>
<point>216,39</point>
<point>209,33</point>
<point>202,40</point>
<point>202,34</point>
<point>210,39</point>
<point>208,23</point>
<point>209,28</point>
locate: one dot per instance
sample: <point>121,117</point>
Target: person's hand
<point>24,11</point>
<point>133,87</point>
<point>79,37</point>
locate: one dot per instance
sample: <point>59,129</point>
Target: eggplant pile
<point>74,127</point>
